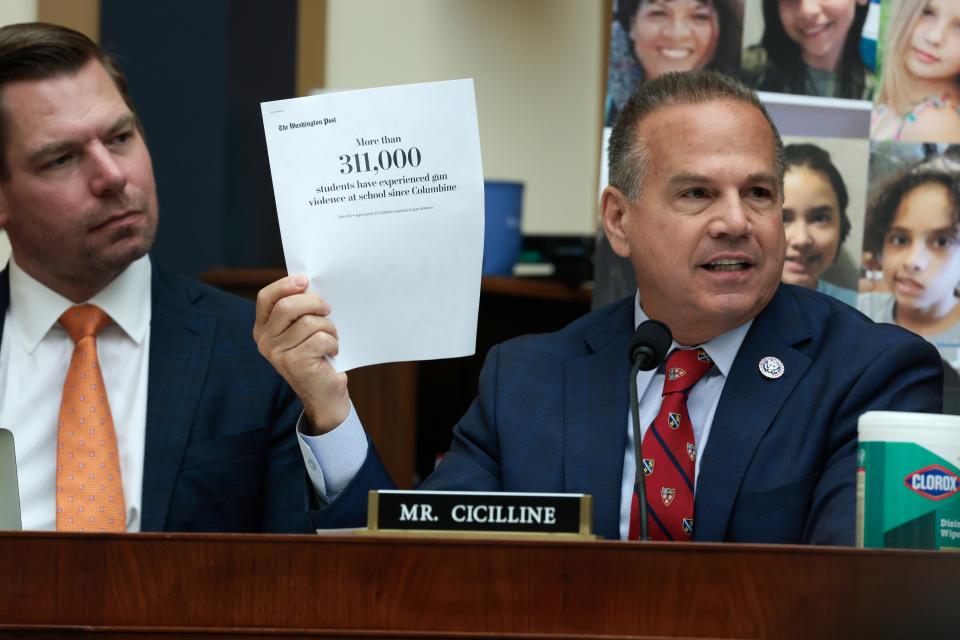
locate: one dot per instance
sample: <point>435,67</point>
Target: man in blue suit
<point>695,202</point>
<point>203,425</point>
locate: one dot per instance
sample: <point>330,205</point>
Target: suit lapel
<point>181,339</point>
<point>748,405</point>
<point>595,418</point>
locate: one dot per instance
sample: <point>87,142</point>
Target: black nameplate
<point>480,512</point>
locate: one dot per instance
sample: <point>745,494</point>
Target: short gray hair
<point>628,154</point>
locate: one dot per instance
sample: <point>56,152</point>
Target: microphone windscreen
<point>650,344</point>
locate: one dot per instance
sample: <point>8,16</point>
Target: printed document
<point>380,199</point>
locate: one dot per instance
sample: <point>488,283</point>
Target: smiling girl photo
<point>811,47</point>
<point>919,97</point>
<point>651,37</point>
<point>815,219</point>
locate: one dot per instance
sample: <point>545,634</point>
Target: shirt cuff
<point>335,457</point>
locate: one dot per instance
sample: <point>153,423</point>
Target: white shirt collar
<point>35,309</point>
<point>722,349</point>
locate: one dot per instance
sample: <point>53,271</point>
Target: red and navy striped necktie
<point>670,453</point>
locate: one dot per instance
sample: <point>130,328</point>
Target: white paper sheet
<point>380,198</point>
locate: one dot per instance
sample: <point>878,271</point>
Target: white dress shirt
<point>333,459</point>
<point>34,355</point>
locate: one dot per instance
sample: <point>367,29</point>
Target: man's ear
<point>614,209</point>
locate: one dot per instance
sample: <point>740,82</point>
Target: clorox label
<point>933,482</point>
<point>908,485</point>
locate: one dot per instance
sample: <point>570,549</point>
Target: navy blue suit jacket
<point>221,448</point>
<point>779,466</point>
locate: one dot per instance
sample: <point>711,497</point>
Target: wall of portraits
<point>872,218</point>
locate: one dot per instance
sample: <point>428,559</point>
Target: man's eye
<point>822,218</point>
<point>59,161</point>
<point>760,193</point>
<point>696,194</point>
<point>122,137</point>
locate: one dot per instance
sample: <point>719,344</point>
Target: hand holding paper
<point>295,334</point>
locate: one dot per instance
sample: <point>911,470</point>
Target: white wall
<point>11,12</point>
<point>539,77</point>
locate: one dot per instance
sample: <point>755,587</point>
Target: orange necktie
<point>89,486</point>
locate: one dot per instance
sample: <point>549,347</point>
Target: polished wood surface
<point>178,586</point>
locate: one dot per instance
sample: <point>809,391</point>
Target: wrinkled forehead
<point>745,132</point>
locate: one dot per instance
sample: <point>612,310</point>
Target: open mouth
<point>675,54</point>
<point>727,264</point>
<point>815,30</point>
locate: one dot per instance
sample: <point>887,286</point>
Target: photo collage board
<point>872,218</point>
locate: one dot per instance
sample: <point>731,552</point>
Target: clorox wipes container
<point>908,481</point>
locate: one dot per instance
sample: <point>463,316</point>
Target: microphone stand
<point>648,348</point>
<point>639,481</point>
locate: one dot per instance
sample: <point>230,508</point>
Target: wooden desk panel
<point>153,585</point>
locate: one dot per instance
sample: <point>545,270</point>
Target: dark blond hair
<point>895,89</point>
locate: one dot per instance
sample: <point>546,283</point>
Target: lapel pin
<point>771,367</point>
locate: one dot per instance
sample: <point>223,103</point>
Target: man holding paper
<point>135,397</point>
<point>748,429</point>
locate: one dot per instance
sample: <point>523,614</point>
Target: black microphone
<point>648,348</point>
<point>650,345</point>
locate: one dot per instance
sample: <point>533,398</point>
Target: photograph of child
<point>823,206</point>
<point>651,37</point>
<point>912,243</point>
<point>919,95</point>
<point>808,47</point>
